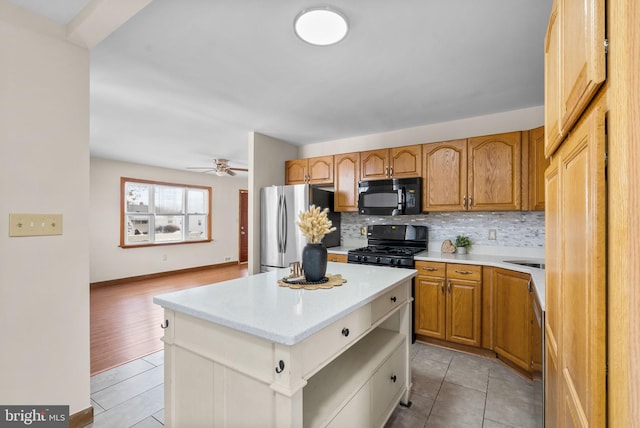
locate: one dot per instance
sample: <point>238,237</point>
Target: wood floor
<point>125,323</point>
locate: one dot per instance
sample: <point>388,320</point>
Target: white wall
<point>109,261</point>
<point>44,168</point>
<point>266,168</point>
<point>516,120</point>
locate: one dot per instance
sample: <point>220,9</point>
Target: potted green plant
<point>462,242</point>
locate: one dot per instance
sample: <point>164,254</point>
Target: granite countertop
<point>537,275</point>
<point>257,305</point>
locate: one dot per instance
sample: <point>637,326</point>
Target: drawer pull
<point>345,332</point>
<point>165,325</point>
<point>393,378</point>
<point>430,269</point>
<point>442,286</point>
<point>464,272</point>
<point>393,299</point>
<point>280,367</point>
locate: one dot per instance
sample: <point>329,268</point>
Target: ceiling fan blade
<point>202,169</point>
<point>231,173</point>
<point>239,169</point>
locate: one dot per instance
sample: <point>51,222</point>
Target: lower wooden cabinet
<point>340,258</point>
<point>449,302</point>
<point>512,317</point>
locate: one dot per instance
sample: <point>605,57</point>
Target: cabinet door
<point>552,82</point>
<point>583,57</point>
<point>405,161</point>
<point>494,172</point>
<point>464,307</point>
<point>445,183</point>
<point>320,170</point>
<point>347,174</point>
<point>582,279</point>
<point>536,334</point>
<point>430,306</point>
<point>512,317</point>
<point>374,164</point>
<point>296,171</point>
<point>537,166</point>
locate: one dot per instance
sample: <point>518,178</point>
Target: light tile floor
<point>450,389</point>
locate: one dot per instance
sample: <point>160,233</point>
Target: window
<point>154,213</point>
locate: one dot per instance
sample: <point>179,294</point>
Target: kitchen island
<point>248,352</point>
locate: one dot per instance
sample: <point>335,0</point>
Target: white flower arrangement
<point>314,224</point>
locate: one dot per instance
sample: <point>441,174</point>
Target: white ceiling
<point>184,82</point>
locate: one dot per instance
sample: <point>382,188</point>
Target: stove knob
<point>377,259</point>
<point>364,258</point>
<point>358,258</point>
<point>392,261</point>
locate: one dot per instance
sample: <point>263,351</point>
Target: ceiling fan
<point>220,168</point>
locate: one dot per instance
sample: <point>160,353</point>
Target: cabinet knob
<point>393,299</point>
<point>345,332</point>
<point>393,378</point>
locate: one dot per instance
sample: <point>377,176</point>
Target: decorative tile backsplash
<point>513,228</point>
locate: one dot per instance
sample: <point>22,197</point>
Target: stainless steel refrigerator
<point>281,241</point>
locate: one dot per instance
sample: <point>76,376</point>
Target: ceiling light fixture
<point>321,26</point>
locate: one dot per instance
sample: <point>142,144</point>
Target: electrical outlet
<point>35,224</point>
<point>226,259</point>
<point>363,231</point>
<point>492,235</point>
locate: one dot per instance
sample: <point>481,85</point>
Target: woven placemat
<point>332,281</point>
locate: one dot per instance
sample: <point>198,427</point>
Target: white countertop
<point>259,306</point>
<point>537,275</point>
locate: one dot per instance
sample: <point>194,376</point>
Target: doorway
<point>243,244</point>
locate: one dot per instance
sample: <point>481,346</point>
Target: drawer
<point>460,271</point>
<point>437,269</point>
<point>340,258</point>
<point>332,340</point>
<point>386,384</point>
<point>388,301</point>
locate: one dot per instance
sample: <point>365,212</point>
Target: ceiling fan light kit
<point>321,26</point>
<point>221,168</point>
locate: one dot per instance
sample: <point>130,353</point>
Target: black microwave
<point>398,196</point>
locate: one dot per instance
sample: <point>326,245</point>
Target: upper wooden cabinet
<point>317,170</point>
<point>534,165</point>
<point>396,162</point>
<point>478,174</point>
<point>445,179</point>
<point>494,174</point>
<point>347,174</point>
<point>575,69</point>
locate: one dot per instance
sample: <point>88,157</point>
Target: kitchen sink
<point>529,263</point>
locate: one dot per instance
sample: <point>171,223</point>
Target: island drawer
<point>462,271</point>
<point>388,302</point>
<point>324,345</point>
<point>437,269</point>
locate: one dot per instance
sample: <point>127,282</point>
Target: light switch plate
<point>35,224</point>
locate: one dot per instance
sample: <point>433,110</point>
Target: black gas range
<point>391,245</point>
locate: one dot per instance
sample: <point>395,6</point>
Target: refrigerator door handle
<point>285,223</point>
<point>279,217</point>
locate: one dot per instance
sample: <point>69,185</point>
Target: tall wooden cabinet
<point>396,162</point>
<point>576,278</point>
<point>575,64</point>
<point>534,165</point>
<point>449,302</point>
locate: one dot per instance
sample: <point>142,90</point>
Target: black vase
<point>314,262</point>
